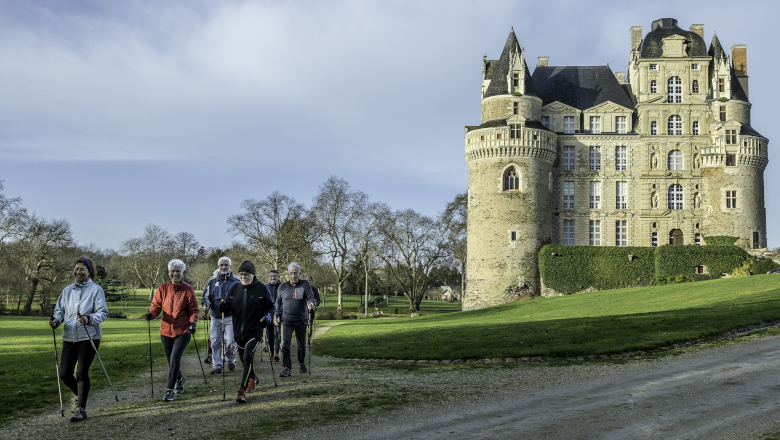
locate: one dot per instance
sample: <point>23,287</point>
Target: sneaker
<point>231,366</point>
<point>79,414</point>
<point>265,349</point>
<point>251,387</point>
<point>208,359</point>
<point>168,396</point>
<point>285,372</point>
<point>179,386</point>
<point>216,370</point>
<point>276,357</point>
<point>241,396</point>
<point>303,368</point>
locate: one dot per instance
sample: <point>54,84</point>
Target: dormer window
<point>546,121</point>
<point>654,67</point>
<point>568,124</point>
<point>595,124</point>
<point>721,85</point>
<point>731,137</point>
<point>514,131</point>
<point>620,124</point>
<point>516,80</point>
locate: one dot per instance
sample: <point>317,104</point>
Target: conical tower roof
<point>498,83</point>
<point>716,50</point>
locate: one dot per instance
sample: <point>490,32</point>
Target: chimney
<point>698,28</point>
<point>621,77</point>
<point>636,37</point>
<point>739,59</point>
<point>543,61</point>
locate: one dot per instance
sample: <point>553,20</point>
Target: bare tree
<point>12,217</point>
<point>277,229</point>
<point>186,247</point>
<point>412,245</point>
<point>146,257</point>
<point>338,211</point>
<point>367,241</point>
<point>200,274</point>
<point>455,218</point>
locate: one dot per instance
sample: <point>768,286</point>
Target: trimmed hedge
<point>720,240</point>
<point>570,269</point>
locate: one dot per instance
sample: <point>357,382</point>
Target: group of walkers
<point>239,310</point>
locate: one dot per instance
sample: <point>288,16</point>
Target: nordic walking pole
<point>98,356</point>
<point>57,360</point>
<point>201,364</point>
<point>224,348</point>
<point>151,371</point>
<point>270,354</point>
<point>311,330</point>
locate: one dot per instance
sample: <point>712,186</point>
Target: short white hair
<point>295,265</point>
<point>178,263</point>
<point>230,263</point>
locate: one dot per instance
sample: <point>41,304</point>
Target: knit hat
<point>247,266</point>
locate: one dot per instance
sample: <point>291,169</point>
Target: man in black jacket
<point>252,308</point>
<point>316,293</point>
<point>294,300</point>
<point>272,335</point>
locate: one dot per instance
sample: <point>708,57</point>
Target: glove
<point>193,327</point>
<point>264,321</point>
<point>148,316</point>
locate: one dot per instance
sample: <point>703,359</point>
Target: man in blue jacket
<point>213,295</point>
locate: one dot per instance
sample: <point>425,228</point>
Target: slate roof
<point>581,87</point>
<point>502,123</point>
<point>499,70</point>
<point>749,131</point>
<point>652,44</point>
<point>716,50</point>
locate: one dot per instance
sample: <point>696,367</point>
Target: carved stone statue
<point>697,201</point>
<point>653,200</point>
<point>696,161</point>
<point>653,161</point>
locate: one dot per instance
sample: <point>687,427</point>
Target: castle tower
<point>510,157</point>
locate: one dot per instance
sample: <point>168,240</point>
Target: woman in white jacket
<point>81,307</point>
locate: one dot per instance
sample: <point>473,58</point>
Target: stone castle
<point>578,155</point>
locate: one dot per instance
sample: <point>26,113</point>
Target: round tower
<point>510,157</point>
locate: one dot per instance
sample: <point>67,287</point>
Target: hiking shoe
<point>208,359</point>
<point>78,415</point>
<point>168,396</point>
<point>251,387</point>
<point>216,370</point>
<point>276,357</point>
<point>265,349</point>
<point>303,368</point>
<point>285,372</point>
<point>231,366</point>
<point>179,386</point>
<point>241,396</point>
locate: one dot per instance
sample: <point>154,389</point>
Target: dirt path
<point>728,392</point>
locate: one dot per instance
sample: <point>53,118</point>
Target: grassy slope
<point>592,323</point>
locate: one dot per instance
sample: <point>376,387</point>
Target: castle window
<point>721,85</point>
<point>695,86</point>
<point>516,80</point>
<point>731,137</point>
<point>756,240</point>
<point>482,138</point>
<point>654,67</point>
<point>546,121</point>
<point>621,195</point>
<point>620,158</point>
<point>675,196</point>
<point>675,125</point>
<point>695,129</point>
<point>653,86</point>
<point>620,124</point>
<point>515,132</point>
<point>568,158</point>
<point>723,113</point>
<point>731,199</point>
<point>621,233</point>
<point>675,160</point>
<point>674,89</point>
<point>568,195</point>
<point>653,128</point>
<point>568,232</point>
<point>516,108</point>
<point>568,124</point>
<point>536,136</point>
<point>513,236</point>
<point>594,233</point>
<point>595,195</point>
<point>498,136</point>
<point>595,124</point>
<point>731,160</point>
<point>594,155</point>
<point>697,239</point>
<point>511,179</point>
<point>654,239</point>
<point>694,67</point>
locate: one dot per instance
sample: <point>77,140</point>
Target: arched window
<point>695,86</point>
<point>675,160</point>
<point>653,87</point>
<point>653,128</point>
<point>676,237</point>
<point>674,89</point>
<point>675,197</point>
<point>511,179</point>
<point>675,125</point>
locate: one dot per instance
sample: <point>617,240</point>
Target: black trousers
<point>272,338</point>
<point>83,353</point>
<point>299,327</point>
<point>246,351</point>
<point>174,348</point>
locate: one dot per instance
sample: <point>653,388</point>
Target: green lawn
<point>351,304</point>
<point>609,321</point>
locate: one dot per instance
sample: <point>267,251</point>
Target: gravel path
<point>727,392</point>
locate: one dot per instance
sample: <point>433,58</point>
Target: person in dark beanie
<point>294,299</point>
<point>250,304</point>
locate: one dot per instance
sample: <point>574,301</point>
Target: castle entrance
<point>676,237</point>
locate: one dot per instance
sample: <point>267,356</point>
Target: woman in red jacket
<point>179,307</point>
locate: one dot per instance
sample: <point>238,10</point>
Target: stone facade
<point>580,155</point>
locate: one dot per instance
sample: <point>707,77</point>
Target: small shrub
<point>764,266</point>
<point>117,315</point>
<point>720,240</point>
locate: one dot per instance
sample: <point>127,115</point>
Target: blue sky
<point>115,115</point>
